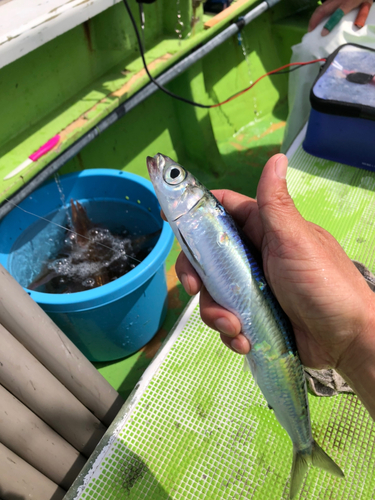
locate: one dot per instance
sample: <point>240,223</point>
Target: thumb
<point>276,208</point>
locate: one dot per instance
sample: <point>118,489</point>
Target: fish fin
<point>320,459</point>
<point>299,468</point>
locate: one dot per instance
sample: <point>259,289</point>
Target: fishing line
<point>280,71</point>
<point>67,229</point>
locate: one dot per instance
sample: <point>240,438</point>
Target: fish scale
<point>230,271</point>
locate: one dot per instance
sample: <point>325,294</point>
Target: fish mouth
<point>152,166</point>
<point>155,165</point>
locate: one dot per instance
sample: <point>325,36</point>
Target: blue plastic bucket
<point>116,319</point>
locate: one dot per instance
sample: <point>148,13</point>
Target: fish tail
<point>318,458</point>
<point>299,468</point>
<point>321,460</point>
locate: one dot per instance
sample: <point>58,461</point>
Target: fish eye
<point>174,175</point>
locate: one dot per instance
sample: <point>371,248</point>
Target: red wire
<point>263,76</point>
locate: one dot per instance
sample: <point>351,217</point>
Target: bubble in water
<point>60,266</point>
<point>89,282</point>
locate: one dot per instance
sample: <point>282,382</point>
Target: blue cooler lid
<point>345,85</point>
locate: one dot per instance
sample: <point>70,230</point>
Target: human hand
<point>326,298</point>
<point>335,10</point>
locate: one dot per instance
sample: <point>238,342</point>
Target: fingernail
<point>234,345</point>
<point>281,167</point>
<point>224,326</point>
<point>325,32</point>
<point>185,283</point>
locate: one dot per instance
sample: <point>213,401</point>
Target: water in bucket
<point>99,242</point>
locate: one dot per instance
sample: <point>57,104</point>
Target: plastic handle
<point>45,148</point>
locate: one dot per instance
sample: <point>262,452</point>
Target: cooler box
<point>341,126</point>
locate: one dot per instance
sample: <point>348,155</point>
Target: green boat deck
<point>197,426</point>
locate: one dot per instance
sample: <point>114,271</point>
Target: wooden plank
<point>224,14</point>
<point>24,28</point>
<point>19,480</point>
<point>32,384</point>
<point>31,326</point>
<point>24,433</point>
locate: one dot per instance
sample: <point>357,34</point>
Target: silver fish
<point>233,275</point>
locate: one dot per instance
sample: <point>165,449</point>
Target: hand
<point>330,7</point>
<point>326,298</point>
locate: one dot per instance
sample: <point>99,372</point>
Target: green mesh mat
<point>197,426</point>
<point>339,198</point>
